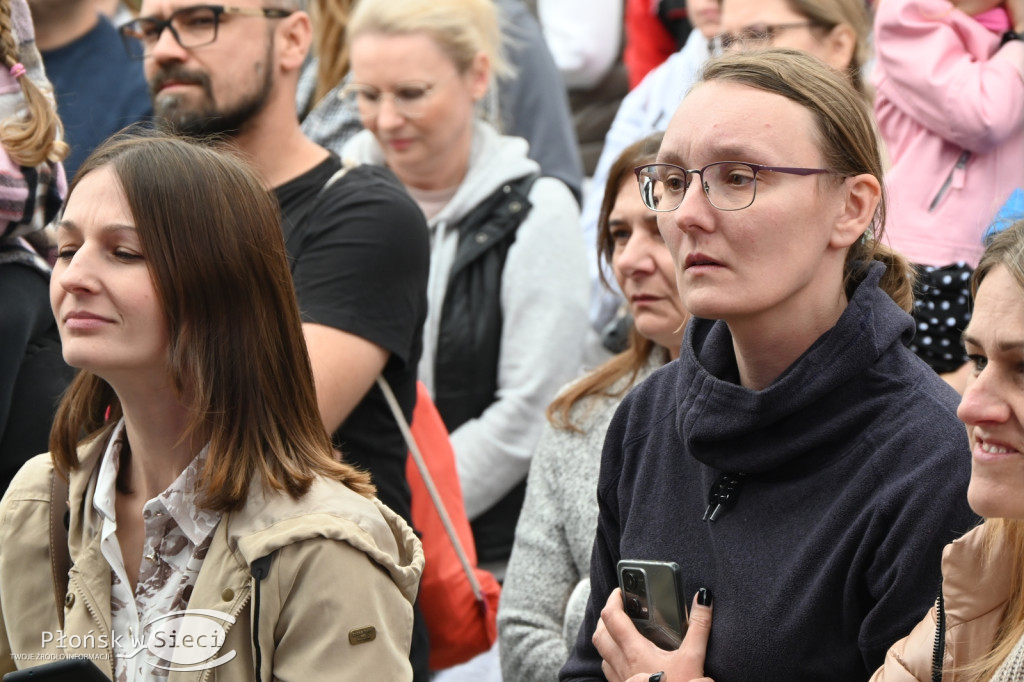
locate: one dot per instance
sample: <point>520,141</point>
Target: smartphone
<point>67,670</point>
<point>650,596</point>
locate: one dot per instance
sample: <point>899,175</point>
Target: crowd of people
<point>239,244</point>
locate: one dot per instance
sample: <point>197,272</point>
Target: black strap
<point>60,556</point>
<point>259,570</point>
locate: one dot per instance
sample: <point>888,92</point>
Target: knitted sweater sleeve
<point>542,574</point>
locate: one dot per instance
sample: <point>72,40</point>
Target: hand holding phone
<point>650,597</point>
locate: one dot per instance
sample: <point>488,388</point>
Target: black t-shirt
<point>360,255</point>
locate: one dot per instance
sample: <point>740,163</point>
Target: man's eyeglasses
<point>728,185</point>
<point>752,37</point>
<point>409,99</point>
<point>193,26</point>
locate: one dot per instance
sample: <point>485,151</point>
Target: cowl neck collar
<point>815,408</point>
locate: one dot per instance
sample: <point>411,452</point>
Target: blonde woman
<point>507,291</point>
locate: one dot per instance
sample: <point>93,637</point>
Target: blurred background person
<point>507,291</point>
<point>950,106</point>
<point>528,100</point>
<point>99,89</point>
<point>585,37</point>
<point>33,374</point>
<point>548,580</point>
<point>655,29</point>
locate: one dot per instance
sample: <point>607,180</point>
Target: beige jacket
<point>975,593</point>
<point>336,605</point>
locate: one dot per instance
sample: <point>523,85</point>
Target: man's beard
<point>175,114</point>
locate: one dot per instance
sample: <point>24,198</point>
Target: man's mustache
<point>177,74</point>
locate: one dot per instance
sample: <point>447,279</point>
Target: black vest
<point>469,339</point>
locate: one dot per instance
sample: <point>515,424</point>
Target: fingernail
<point>656,677</point>
<point>704,597</point>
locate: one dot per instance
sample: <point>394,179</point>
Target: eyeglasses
<point>750,37</point>
<point>193,26</point>
<point>728,185</point>
<point>409,99</point>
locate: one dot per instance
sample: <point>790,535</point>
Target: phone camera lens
<point>629,580</point>
<point>633,608</point>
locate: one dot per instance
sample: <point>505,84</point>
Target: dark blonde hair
<point>35,138</point>
<point>630,361</point>
<point>461,28</point>
<point>211,236</point>
<point>330,21</point>
<point>845,135</point>
<point>827,14</point>
<point>1004,536</point>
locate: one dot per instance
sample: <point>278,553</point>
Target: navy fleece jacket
<point>855,476</point>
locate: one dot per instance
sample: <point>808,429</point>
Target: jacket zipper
<point>939,648</point>
<point>961,163</point>
<point>99,626</point>
<point>205,674</point>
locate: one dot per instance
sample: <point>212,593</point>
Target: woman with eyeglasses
<point>507,291</point>
<point>798,463</point>
<point>835,31</point>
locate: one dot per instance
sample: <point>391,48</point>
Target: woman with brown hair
<point>547,584</point>
<point>798,463</point>
<point>204,498</point>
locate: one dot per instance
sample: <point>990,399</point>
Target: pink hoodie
<point>950,107</point>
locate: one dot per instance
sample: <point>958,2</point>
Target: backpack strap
<point>428,480</point>
<point>60,556</point>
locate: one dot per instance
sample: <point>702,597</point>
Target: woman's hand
<point>627,653</point>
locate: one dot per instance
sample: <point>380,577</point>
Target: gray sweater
<point>548,580</point>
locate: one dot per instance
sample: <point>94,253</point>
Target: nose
<point>985,399</point>
<point>388,115</point>
<point>634,258</point>
<point>76,275</point>
<point>167,48</point>
<point>695,210</point>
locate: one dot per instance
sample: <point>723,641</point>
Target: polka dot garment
<point>942,309</point>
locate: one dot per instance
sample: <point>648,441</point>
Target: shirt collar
<point>178,500</point>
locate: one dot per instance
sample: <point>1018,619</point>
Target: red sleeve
<point>648,42</point>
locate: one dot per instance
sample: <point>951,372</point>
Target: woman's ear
<point>859,202</point>
<point>479,76</point>
<point>840,47</point>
